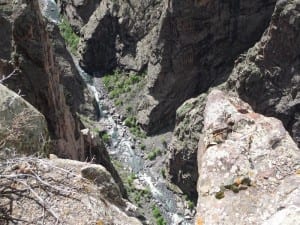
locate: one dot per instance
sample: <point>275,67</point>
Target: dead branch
<point>4,78</point>
<point>31,185</point>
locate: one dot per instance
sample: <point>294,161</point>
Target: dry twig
<point>30,185</point>
<point>4,78</point>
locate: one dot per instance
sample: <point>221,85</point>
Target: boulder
<point>22,127</point>
<point>103,178</point>
<point>248,166</point>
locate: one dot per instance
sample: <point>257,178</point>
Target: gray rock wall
<point>198,42</point>
<point>267,76</point>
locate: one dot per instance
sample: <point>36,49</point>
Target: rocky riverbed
<point>140,174</point>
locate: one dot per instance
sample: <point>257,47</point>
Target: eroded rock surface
<point>248,166</point>
<point>23,128</point>
<point>120,33</point>
<point>62,191</point>
<point>268,75</point>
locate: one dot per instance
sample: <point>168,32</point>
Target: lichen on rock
<point>250,169</point>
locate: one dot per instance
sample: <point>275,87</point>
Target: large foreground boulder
<point>22,127</point>
<point>248,166</point>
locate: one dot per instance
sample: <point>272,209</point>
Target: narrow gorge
<point>155,112</point>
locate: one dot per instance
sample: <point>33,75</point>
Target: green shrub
<point>164,142</point>
<point>130,121</point>
<point>143,146</point>
<point>118,102</point>
<point>106,138</point>
<point>129,109</point>
<point>130,179</point>
<point>71,39</point>
<point>163,173</point>
<point>158,217</point>
<point>154,153</point>
<point>120,83</point>
<point>190,203</point>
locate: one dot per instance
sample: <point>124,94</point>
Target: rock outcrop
<point>248,166</point>
<point>268,75</point>
<point>185,46</point>
<point>39,78</point>
<point>120,33</point>
<point>77,12</point>
<point>182,164</point>
<point>23,129</point>
<point>48,79</point>
<point>62,191</point>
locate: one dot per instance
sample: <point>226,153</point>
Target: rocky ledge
<point>248,166</point>
<point>77,193</point>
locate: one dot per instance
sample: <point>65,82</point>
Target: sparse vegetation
<point>71,39</point>
<point>189,202</point>
<point>130,179</point>
<point>135,129</point>
<point>164,143</point>
<point>163,173</point>
<point>154,153</point>
<point>143,146</point>
<point>122,88</point>
<point>158,217</point>
<point>137,195</point>
<point>106,138</point>
<point>119,83</point>
<point>118,102</point>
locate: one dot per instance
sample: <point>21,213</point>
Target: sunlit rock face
<point>248,166</point>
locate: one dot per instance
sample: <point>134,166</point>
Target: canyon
<point>150,112</point>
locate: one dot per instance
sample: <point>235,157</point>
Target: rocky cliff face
<point>48,79</point>
<point>120,33</point>
<point>267,76</point>
<point>198,41</point>
<point>248,166</point>
<point>182,164</point>
<point>186,46</point>
<point>39,78</point>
